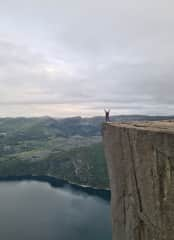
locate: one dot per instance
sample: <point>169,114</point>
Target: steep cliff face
<point>140,159</point>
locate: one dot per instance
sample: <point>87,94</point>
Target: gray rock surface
<point>140,157</point>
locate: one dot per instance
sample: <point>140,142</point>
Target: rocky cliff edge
<point>140,158</point>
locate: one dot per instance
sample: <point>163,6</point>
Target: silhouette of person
<point>107,115</point>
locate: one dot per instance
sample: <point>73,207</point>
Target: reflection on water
<point>36,210</point>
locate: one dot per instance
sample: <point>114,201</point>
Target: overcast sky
<point>75,57</point>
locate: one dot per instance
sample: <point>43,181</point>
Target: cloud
<point>85,56</point>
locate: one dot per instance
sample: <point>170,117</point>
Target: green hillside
<point>68,149</point>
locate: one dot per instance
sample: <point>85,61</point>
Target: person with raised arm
<point>107,112</point>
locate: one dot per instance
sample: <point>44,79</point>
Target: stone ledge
<point>157,126</point>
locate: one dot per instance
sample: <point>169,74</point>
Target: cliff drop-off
<point>140,158</point>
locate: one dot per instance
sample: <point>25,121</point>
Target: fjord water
<point>36,210</point>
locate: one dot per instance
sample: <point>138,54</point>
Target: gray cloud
<point>78,57</point>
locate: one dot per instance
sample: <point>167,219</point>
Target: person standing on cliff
<point>107,112</point>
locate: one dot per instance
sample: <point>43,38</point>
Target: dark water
<point>33,210</point>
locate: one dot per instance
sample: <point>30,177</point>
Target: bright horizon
<point>57,111</point>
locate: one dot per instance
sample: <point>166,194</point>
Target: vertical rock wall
<point>140,161</point>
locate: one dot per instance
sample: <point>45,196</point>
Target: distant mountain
<point>69,148</point>
<point>45,126</point>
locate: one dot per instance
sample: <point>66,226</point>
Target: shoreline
<point>104,193</point>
